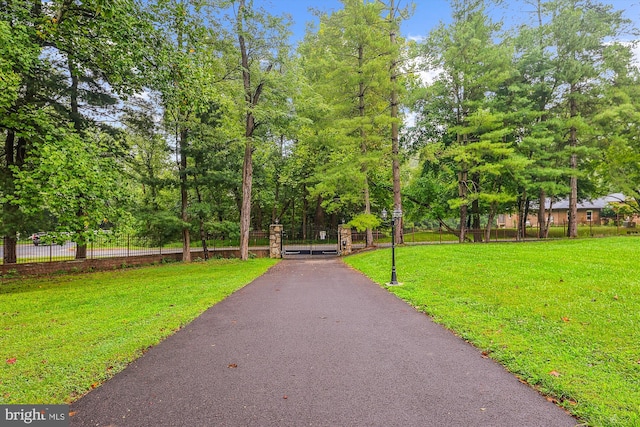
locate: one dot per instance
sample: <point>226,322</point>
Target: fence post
<point>275,240</point>
<point>128,243</point>
<point>345,240</point>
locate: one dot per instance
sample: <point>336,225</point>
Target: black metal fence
<point>108,246</point>
<point>442,235</point>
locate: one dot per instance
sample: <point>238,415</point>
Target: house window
<point>589,215</point>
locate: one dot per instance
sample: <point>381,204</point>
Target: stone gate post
<point>344,236</point>
<point>275,241</point>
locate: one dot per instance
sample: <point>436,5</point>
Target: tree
<point>527,98</point>
<point>18,65</point>
<point>69,60</point>
<point>262,54</point>
<point>190,76</point>
<point>619,124</point>
<point>580,32</point>
<point>348,66</point>
<point>395,15</point>
<point>150,172</point>
<point>465,107</point>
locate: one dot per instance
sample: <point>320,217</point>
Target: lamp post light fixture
<point>397,213</point>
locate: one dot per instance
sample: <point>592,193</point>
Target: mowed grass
<point>562,315</point>
<point>62,336</point>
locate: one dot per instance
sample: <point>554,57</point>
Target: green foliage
<point>491,134</point>
<point>161,226</point>
<point>13,55</point>
<point>500,119</point>
<point>470,147</point>
<point>619,123</point>
<point>346,64</point>
<point>224,229</point>
<point>71,176</point>
<point>64,64</point>
<point>362,222</point>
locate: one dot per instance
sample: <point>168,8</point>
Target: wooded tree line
<point>179,119</point>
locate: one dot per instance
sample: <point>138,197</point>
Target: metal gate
<point>312,241</point>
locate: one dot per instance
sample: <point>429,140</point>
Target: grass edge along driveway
<point>564,316</point>
<point>62,336</point>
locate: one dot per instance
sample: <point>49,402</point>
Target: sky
<point>428,13</point>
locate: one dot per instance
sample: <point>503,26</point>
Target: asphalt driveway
<point>314,343</point>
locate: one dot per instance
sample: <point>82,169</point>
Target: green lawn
<point>562,315</point>
<point>62,336</point>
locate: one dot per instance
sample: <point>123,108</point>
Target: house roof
<point>589,204</point>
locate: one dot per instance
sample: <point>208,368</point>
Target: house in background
<point>589,213</point>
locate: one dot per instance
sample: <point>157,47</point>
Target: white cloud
<point>429,76</point>
<point>417,39</point>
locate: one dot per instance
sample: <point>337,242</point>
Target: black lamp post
<point>397,213</point>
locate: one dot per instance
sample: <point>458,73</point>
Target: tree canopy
<point>181,119</point>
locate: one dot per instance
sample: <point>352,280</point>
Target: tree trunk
<point>252,98</point>
<point>542,223</point>
<point>572,229</point>
<point>10,255</point>
<point>203,239</point>
<point>305,216</point>
<point>527,208</point>
<point>363,145</point>
<point>203,233</point>
<point>462,192</point>
<point>247,163</point>
<point>521,231</point>
<point>247,181</point>
<point>367,210</point>
<point>475,222</point>
<point>549,216</point>
<point>524,214</point>
<point>10,211</point>
<point>395,140</point>
<point>319,219</point>
<point>184,197</point>
<point>475,210</point>
<point>257,216</point>
<point>493,210</point>
<point>81,243</point>
<point>15,154</point>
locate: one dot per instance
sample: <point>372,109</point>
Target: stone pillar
<point>275,241</point>
<point>344,236</point>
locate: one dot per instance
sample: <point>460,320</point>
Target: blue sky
<point>427,13</point>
